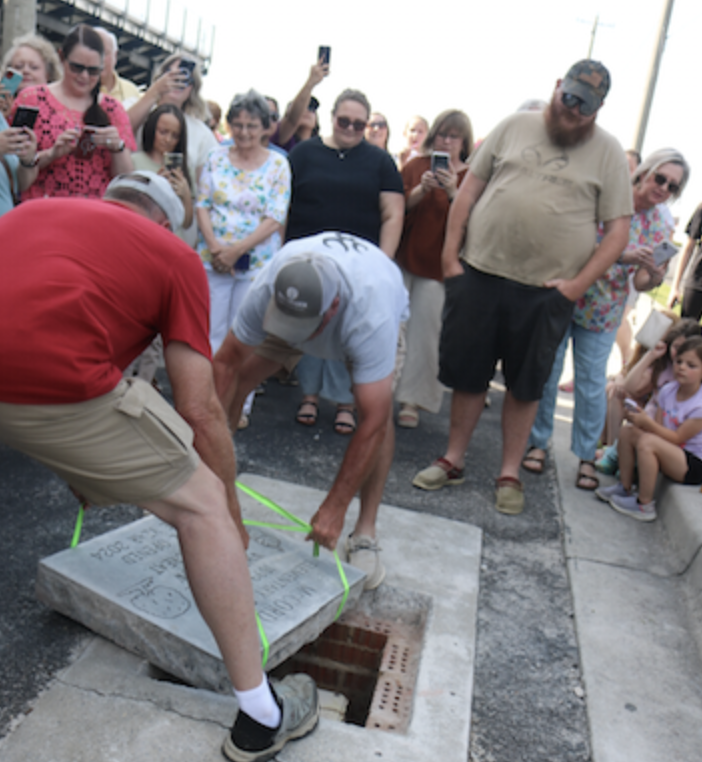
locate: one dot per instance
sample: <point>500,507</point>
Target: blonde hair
<point>195,104</point>
<point>40,45</point>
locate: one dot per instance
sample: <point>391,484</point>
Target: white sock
<point>259,704</point>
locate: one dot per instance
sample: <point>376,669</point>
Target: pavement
<point>586,632</point>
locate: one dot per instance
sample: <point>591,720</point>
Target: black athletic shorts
<point>694,469</point>
<point>488,318</point>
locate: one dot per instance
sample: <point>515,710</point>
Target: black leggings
<point>692,304</point>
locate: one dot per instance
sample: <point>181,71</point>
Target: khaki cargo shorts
<point>128,446</point>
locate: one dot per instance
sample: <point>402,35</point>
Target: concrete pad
<point>130,586</point>
<point>105,708</point>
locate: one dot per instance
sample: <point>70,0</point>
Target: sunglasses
<point>571,101</point>
<point>76,68</point>
<point>378,125</point>
<point>344,122</point>
<point>662,180</point>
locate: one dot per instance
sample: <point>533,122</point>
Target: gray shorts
<point>128,446</point>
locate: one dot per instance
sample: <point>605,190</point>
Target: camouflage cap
<point>588,80</point>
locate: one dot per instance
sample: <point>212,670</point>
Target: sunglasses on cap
<point>76,68</point>
<point>571,101</point>
<point>344,122</point>
<point>662,180</point>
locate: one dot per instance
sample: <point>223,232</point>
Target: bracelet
<point>120,149</point>
<point>30,164</point>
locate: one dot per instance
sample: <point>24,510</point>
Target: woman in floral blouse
<point>660,178</point>
<point>243,198</point>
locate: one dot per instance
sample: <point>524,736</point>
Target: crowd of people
<point>232,252</point>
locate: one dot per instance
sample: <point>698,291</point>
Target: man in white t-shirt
<point>337,297</point>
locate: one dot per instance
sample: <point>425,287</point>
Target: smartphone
<point>631,406</point>
<point>173,161</point>
<point>243,263</point>
<point>85,147</point>
<point>664,252</point>
<point>324,54</point>
<point>439,160</point>
<point>187,66</point>
<point>11,80</point>
<point>25,116</point>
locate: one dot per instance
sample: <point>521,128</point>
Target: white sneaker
<point>363,552</point>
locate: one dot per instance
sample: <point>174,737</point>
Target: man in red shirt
<point>85,286</point>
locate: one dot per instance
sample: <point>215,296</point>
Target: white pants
<point>226,295</point>
<point>419,384</point>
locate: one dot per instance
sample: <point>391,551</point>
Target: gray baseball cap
<point>304,289</point>
<point>157,188</point>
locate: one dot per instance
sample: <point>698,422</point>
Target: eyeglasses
<point>344,122</point>
<point>76,68</point>
<point>377,125</point>
<point>661,180</point>
<point>447,136</point>
<point>571,101</point>
<point>274,116</point>
<point>241,127</point>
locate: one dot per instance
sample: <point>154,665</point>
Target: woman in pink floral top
<point>84,140</point>
<point>662,176</point>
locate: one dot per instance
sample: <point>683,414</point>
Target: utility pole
<point>18,17</point>
<point>593,34</point>
<point>653,76</point>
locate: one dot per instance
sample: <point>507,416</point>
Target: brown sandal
<point>538,460</point>
<point>588,482</point>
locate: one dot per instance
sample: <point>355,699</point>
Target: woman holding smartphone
<point>165,142</point>
<point>242,203</point>
<point>84,140</point>
<point>430,183</point>
<point>660,178</point>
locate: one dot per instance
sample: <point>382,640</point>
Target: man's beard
<point>561,130</point>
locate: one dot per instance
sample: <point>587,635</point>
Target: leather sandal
<point>533,462</point>
<point>307,413</point>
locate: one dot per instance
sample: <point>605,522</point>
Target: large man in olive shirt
<point>528,210</point>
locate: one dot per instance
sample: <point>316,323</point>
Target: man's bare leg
<point>215,561</point>
<point>374,485</point>
<point>466,409</point>
<point>517,419</point>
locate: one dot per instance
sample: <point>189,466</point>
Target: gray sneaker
<point>630,506</point>
<point>605,494</point>
<point>363,552</point>
<point>249,741</point>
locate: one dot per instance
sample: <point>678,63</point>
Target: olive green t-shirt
<point>537,217</point>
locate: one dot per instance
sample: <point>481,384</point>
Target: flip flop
<point>539,460</point>
<point>307,417</point>
<point>588,482</point>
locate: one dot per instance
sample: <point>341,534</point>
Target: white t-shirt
<point>373,302</point>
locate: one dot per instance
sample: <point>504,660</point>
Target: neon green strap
<point>79,526</point>
<point>298,526</point>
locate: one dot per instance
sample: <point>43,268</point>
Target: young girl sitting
<point>647,373</point>
<point>671,442</point>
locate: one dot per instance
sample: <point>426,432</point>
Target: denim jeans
<point>591,352</point>
<point>327,378</point>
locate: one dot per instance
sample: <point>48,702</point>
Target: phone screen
<point>11,80</point>
<point>25,116</point>
<point>439,160</point>
<point>324,54</point>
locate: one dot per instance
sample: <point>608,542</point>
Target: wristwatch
<point>120,148</point>
<point>30,164</point>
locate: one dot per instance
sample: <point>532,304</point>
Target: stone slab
<point>130,586</point>
<point>101,709</point>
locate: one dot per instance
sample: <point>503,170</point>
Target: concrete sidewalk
<point>640,659</point>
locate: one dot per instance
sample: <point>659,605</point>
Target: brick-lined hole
<point>345,660</point>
